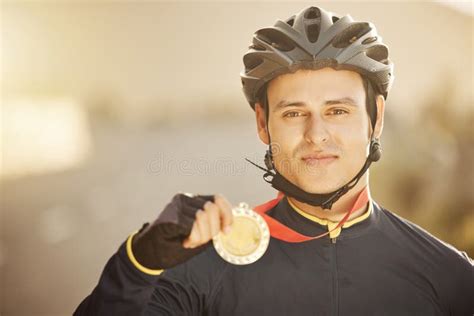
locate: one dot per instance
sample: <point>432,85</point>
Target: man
<point>318,84</point>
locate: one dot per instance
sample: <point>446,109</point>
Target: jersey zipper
<point>335,287</point>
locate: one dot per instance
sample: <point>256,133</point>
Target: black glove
<point>159,245</point>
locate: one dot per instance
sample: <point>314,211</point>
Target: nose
<point>316,131</point>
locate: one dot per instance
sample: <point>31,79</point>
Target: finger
<point>212,211</point>
<point>197,201</point>
<point>225,211</point>
<point>194,237</point>
<point>203,224</point>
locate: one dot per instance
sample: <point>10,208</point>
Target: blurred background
<point>110,108</point>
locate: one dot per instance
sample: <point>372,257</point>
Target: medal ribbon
<point>285,233</point>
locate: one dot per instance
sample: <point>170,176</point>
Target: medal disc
<point>248,239</point>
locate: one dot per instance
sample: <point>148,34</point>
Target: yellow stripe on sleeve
<point>134,260</point>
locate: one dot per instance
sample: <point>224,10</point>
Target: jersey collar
<point>280,231</point>
<point>333,233</point>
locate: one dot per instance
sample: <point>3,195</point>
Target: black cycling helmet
<point>314,39</point>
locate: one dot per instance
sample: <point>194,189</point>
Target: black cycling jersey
<point>379,264</point>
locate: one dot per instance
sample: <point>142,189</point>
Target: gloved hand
<point>182,230</point>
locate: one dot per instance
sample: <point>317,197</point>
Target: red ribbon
<point>285,233</point>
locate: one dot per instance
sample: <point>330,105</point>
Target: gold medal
<point>248,239</point>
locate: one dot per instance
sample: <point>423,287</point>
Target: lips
<point>319,159</point>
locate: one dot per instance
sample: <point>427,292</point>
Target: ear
<point>380,115</point>
<point>261,124</point>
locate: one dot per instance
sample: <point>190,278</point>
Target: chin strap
<point>326,200</point>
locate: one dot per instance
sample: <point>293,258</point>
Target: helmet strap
<point>325,200</point>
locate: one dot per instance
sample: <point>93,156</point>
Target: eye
<point>293,114</point>
<point>338,111</point>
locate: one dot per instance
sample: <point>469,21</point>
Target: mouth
<point>319,159</point>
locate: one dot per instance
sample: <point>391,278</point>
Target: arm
<point>123,289</point>
<point>133,273</point>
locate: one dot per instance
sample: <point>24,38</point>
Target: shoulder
<point>447,269</point>
<point>413,237</point>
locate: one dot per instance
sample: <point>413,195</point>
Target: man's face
<point>319,127</point>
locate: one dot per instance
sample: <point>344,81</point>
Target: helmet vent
<point>378,53</point>
<point>276,39</point>
<point>312,32</point>
<point>251,61</point>
<point>369,40</point>
<point>312,13</point>
<point>334,19</point>
<point>291,21</point>
<point>350,34</point>
<point>257,47</point>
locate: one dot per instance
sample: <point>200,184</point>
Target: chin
<point>319,189</point>
<point>320,185</point>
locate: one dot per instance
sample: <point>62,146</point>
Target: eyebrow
<point>284,103</point>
